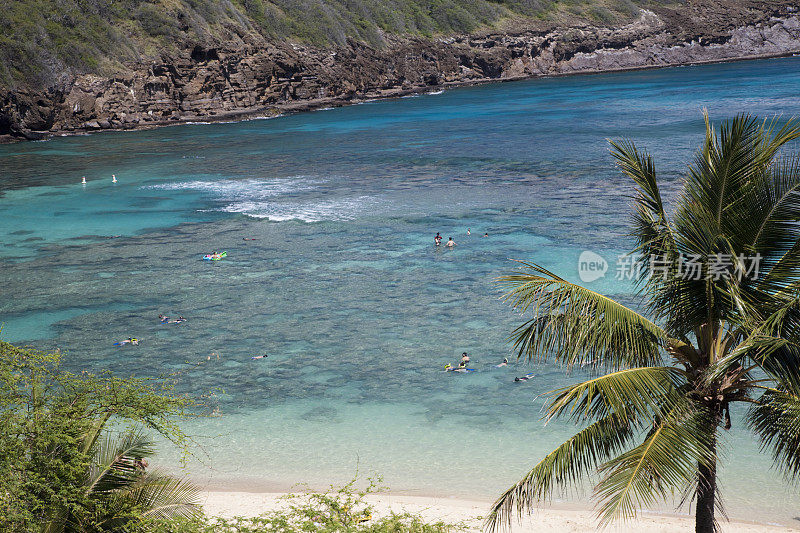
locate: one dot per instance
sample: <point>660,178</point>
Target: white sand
<point>231,504</point>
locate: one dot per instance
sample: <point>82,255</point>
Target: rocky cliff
<point>226,81</point>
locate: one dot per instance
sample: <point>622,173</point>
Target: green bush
<point>58,469</point>
<point>340,510</point>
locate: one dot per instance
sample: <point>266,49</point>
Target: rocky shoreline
<point>239,81</point>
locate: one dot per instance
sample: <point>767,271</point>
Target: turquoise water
<point>341,284</point>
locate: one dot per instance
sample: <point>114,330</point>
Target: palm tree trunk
<point>706,495</point>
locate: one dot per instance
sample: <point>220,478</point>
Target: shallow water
<point>341,285</point>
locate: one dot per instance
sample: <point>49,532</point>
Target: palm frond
<point>163,496</point>
<point>776,420</point>
<point>635,392</point>
<point>663,464</point>
<point>730,161</point>
<point>651,229</point>
<point>113,467</point>
<point>778,357</point>
<point>565,465</point>
<point>730,182</point>
<point>577,325</point>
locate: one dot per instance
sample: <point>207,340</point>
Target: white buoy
<point>113,178</point>
<point>83,180</point>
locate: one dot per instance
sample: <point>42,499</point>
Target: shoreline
<point>552,518</point>
<point>317,104</point>
<point>231,83</point>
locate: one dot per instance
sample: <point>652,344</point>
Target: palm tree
<point>719,280</point>
<point>119,488</point>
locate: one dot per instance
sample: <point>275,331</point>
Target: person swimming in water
<point>504,363</point>
<point>437,239</point>
<point>460,368</point>
<point>130,340</point>
<point>526,377</point>
<point>464,359</point>
<point>260,356</point>
<point>468,233</point>
<point>485,234</point>
<point>163,319</point>
<point>450,242</point>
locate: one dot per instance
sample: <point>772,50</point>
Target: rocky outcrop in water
<point>229,81</point>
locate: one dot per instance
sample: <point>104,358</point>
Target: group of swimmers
<point>438,240</point>
<point>462,367</point>
<point>165,320</point>
<point>450,242</point>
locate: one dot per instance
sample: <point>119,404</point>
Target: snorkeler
<point>163,319</point>
<point>526,377</point>
<point>260,356</point>
<point>485,234</point>
<point>504,363</point>
<point>130,340</point>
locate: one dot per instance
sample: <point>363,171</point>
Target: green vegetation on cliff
<point>41,40</point>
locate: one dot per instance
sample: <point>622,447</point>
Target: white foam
<point>313,211</point>
<point>275,199</point>
<point>242,189</point>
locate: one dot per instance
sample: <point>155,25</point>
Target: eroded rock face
<point>226,81</point>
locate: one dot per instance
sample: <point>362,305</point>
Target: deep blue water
<point>342,285</point>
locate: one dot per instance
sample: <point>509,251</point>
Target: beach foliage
<point>339,510</point>
<point>72,457</point>
<point>716,331</point>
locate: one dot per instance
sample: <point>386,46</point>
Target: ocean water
<point>339,281</point>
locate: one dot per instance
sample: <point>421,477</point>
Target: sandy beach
<point>229,504</point>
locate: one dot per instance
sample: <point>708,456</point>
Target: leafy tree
<point>59,469</point>
<point>709,338</point>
